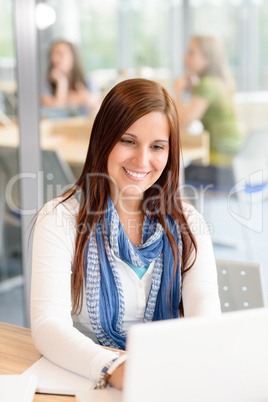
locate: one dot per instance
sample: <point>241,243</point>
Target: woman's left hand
<point>117,378</point>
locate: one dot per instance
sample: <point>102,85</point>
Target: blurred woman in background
<point>211,86</point>
<point>67,86</point>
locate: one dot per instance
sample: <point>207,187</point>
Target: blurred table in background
<point>195,147</point>
<point>70,137</point>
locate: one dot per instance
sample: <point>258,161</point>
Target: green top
<point>219,120</point>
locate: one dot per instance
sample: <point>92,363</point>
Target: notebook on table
<point>196,359</point>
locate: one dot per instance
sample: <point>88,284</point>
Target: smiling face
<point>140,156</point>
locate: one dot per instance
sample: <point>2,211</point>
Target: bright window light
<point>44,16</point>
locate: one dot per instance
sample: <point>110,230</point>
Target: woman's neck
<point>129,206</point>
<point>131,217</point>
<point>126,204</point>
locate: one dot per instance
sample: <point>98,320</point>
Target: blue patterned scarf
<point>104,293</point>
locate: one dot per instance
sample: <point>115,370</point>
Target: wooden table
<point>195,147</point>
<point>17,353</point>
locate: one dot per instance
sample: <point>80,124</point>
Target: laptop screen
<point>199,359</point>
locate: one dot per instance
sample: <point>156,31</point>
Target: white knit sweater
<point>69,340</point>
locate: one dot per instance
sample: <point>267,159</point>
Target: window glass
<point>221,19</point>
<point>149,33</point>
<point>99,44</point>
<point>117,39</point>
<point>237,218</point>
<point>263,53</point>
<point>11,282</point>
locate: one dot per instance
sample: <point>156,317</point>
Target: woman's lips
<point>137,176</point>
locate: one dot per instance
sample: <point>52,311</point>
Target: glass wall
<point>99,44</point>
<point>242,26</point>
<point>146,28</point>
<point>222,19</point>
<point>147,39</point>
<point>149,34</point>
<point>137,43</point>
<point>11,279</point>
<point>262,9</point>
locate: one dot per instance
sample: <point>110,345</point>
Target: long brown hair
<point>126,103</point>
<point>77,73</point>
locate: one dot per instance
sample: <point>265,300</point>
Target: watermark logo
<point>249,194</point>
<point>244,201</point>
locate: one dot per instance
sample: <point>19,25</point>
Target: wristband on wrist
<point>108,370</point>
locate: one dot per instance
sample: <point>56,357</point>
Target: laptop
<point>223,359</point>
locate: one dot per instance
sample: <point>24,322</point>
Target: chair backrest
<point>57,177</point>
<point>57,174</point>
<point>240,285</point>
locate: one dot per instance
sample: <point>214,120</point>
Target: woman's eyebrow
<point>134,136</point>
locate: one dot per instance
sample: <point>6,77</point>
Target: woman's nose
<point>141,157</point>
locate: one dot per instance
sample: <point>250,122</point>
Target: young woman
<point>211,86</point>
<point>120,247</point>
<point>66,84</point>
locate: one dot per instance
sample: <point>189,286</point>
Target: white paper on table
<point>53,379</point>
<point>17,387</point>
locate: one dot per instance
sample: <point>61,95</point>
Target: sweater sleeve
<point>52,327</point>
<point>200,284</point>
